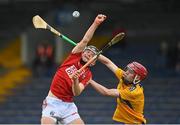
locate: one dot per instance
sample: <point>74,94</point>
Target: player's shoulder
<point>119,73</point>
<point>119,70</point>
<point>75,54</point>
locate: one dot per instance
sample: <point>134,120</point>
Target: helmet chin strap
<point>136,80</point>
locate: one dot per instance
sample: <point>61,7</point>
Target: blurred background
<point>29,57</point>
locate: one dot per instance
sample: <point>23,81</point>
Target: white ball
<point>76,14</point>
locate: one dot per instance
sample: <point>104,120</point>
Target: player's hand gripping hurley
<point>115,40</point>
<point>39,23</point>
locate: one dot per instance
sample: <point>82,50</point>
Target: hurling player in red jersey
<point>68,82</point>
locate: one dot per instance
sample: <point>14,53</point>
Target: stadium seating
<point>13,73</point>
<point>25,106</point>
<point>161,102</point>
<point>161,94</point>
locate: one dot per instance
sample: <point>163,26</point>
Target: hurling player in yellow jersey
<point>129,92</point>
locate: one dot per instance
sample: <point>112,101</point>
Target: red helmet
<point>139,69</point>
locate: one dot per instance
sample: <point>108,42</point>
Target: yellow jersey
<point>130,104</point>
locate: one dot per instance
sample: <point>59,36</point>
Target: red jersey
<point>61,85</point>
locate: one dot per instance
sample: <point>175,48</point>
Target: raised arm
<point>89,34</point>
<point>106,61</point>
<point>103,90</point>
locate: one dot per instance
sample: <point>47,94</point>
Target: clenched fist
<point>75,75</point>
<point>100,18</point>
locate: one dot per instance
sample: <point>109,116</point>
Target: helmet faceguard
<point>139,70</point>
<point>92,48</point>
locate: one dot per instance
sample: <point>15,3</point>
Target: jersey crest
<point>70,70</point>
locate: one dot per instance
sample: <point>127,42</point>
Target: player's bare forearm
<point>76,88</point>
<point>87,37</point>
<point>106,61</point>
<point>103,90</point>
<point>89,33</point>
